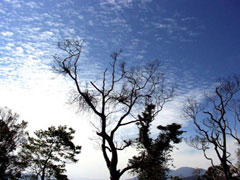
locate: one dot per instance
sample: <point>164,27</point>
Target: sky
<point>197,41</point>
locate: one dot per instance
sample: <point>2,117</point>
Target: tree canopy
<point>154,157</point>
<point>12,136</point>
<point>50,150</point>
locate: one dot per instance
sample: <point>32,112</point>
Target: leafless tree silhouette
<point>216,119</point>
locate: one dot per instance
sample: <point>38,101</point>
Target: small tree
<point>49,152</point>
<point>12,136</point>
<point>116,99</point>
<point>153,161</point>
<point>217,118</point>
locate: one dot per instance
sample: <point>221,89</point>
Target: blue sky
<point>197,40</point>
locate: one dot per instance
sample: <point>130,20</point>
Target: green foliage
<point>50,150</point>
<point>12,136</point>
<point>153,160</point>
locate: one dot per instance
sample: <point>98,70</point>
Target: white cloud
<point>19,51</point>
<point>7,34</point>
<point>14,3</point>
<point>80,17</point>
<point>188,18</point>
<point>186,156</point>
<point>146,1</point>
<point>162,26</point>
<point>54,24</point>
<point>32,4</point>
<point>90,23</point>
<point>2,11</point>
<point>117,4</point>
<point>46,35</point>
<point>139,56</point>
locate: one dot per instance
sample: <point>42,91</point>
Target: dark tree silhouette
<point>114,99</point>
<point>12,136</point>
<point>175,178</point>
<point>49,152</point>
<point>217,119</point>
<point>214,173</point>
<point>238,162</point>
<point>153,160</point>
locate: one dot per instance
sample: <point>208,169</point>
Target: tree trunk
<point>43,174</point>
<point>115,175</point>
<point>227,172</point>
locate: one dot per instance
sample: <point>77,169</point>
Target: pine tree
<point>153,160</point>
<point>49,152</point>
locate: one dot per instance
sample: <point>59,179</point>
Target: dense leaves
<point>153,160</point>
<point>12,136</point>
<point>50,150</point>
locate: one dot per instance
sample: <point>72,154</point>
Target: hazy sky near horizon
<point>197,41</point>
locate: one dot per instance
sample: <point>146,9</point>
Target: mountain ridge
<point>187,173</point>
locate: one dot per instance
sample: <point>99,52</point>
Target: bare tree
<point>216,119</point>
<point>116,99</point>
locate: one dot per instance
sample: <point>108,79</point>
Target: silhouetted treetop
<point>12,136</point>
<point>49,152</point>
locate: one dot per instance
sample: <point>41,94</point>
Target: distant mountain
<point>186,173</point>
